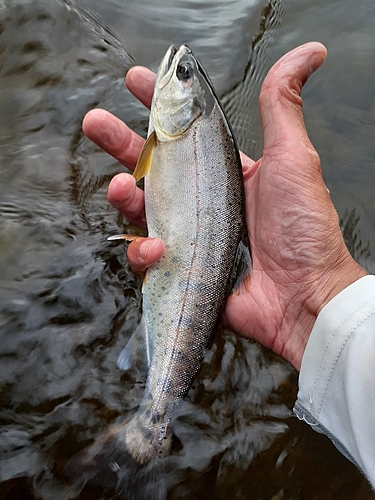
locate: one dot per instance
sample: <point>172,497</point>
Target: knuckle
<point>280,92</point>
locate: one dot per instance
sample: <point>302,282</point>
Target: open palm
<point>299,257</point>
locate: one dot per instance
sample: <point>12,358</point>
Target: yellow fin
<point>145,158</point>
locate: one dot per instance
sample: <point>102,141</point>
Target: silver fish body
<point>194,203</point>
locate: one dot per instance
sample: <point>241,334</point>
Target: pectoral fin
<point>145,158</point>
<point>242,264</point>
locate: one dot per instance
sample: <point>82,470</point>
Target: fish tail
<point>99,464</point>
<point>123,459</point>
<point>150,482</point>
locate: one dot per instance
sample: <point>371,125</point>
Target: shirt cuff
<point>332,329</point>
<point>337,377</point>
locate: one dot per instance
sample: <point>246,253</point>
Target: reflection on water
<point>97,25</point>
<point>241,101</point>
<point>68,300</point>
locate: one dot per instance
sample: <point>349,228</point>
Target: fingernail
<point>317,59</point>
<point>144,248</point>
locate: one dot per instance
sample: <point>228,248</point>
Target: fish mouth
<point>169,63</point>
<point>172,52</point>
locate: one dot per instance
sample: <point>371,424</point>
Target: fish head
<point>183,93</point>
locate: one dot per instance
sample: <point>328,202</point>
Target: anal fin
<point>136,350</point>
<point>242,263</point>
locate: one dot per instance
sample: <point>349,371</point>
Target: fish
<point>194,202</point>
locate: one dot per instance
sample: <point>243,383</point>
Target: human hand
<point>299,258</point>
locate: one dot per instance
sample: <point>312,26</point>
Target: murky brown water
<point>68,301</point>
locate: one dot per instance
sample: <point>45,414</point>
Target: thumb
<point>280,102</point>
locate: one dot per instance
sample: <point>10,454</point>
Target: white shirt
<point>337,380</point>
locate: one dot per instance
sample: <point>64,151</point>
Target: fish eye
<point>184,71</point>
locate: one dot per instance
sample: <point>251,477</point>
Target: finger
<point>280,101</point>
<point>140,81</point>
<point>124,195</point>
<point>143,252</point>
<point>113,136</point>
<point>249,166</point>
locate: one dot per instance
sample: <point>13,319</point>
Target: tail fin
<point>150,481</point>
<point>108,464</point>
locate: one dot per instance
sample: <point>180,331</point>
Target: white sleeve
<point>337,380</point>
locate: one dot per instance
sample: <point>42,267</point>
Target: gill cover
<point>182,94</point>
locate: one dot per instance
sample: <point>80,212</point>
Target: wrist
<point>330,284</point>
<point>334,281</point>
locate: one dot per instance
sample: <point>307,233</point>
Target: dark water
<point>68,301</point>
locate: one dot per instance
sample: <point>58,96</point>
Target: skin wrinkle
<point>132,197</point>
<point>275,98</point>
<point>285,307</point>
<point>259,310</point>
<point>273,330</point>
<point>266,240</point>
<point>323,283</point>
<point>276,95</point>
<point>112,135</point>
<point>117,141</point>
<point>249,169</point>
<point>294,344</point>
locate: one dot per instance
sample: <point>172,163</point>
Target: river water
<point>68,300</point>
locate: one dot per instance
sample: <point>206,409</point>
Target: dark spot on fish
<point>176,355</point>
<point>146,433</point>
<point>153,415</point>
<point>186,323</point>
<point>167,273</point>
<point>165,385</point>
<point>169,408</point>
